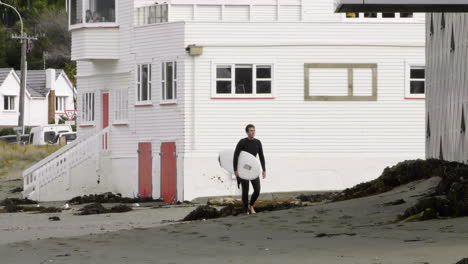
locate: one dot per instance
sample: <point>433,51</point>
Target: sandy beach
<point>354,231</point>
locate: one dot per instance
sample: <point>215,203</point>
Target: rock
<point>54,218</point>
<point>463,261</point>
<point>317,198</point>
<point>202,212</point>
<point>396,202</point>
<point>224,201</point>
<point>16,190</point>
<point>121,208</point>
<point>16,201</point>
<point>110,198</point>
<point>95,208</point>
<point>449,199</point>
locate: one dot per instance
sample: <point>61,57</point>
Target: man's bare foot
<point>252,210</point>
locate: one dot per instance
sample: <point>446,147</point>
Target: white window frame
<point>254,95</point>
<point>143,14</point>
<point>120,104</point>
<point>408,94</point>
<point>379,18</point>
<point>149,84</point>
<point>92,25</point>
<point>11,98</point>
<point>175,76</point>
<point>88,108</point>
<point>60,101</point>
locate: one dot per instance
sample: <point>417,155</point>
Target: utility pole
<point>24,45</point>
<point>45,56</point>
<point>24,69</point>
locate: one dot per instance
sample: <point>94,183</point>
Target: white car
<point>47,135</point>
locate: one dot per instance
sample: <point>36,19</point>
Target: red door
<point>145,168</point>
<point>105,110</point>
<point>168,172</point>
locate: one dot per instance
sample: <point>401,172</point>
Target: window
<point>151,14</point>
<point>371,16</point>
<point>243,80</point>
<point>9,103</point>
<point>340,82</point>
<point>144,82</point>
<point>416,83</point>
<point>169,81</point>
<point>92,11</point>
<point>87,107</point>
<point>120,98</point>
<point>60,103</point>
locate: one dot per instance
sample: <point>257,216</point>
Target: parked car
<point>48,135</point>
<point>11,139</point>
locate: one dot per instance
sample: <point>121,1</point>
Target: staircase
<point>70,171</point>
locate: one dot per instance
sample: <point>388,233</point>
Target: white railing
<point>58,164</point>
<point>153,14</point>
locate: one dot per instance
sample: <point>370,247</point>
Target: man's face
<point>251,132</point>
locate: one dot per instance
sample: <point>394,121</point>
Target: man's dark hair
<point>248,127</point>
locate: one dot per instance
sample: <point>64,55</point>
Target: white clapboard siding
<point>102,43</point>
<point>236,13</point>
<point>346,142</point>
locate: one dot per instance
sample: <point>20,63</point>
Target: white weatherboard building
<point>38,96</point>
<point>163,88</point>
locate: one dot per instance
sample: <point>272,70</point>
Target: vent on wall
<point>428,129</point>
<point>442,26</point>
<point>452,42</point>
<point>463,125</point>
<point>441,153</point>
<point>432,25</point>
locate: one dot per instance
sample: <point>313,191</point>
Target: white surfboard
<point>248,165</point>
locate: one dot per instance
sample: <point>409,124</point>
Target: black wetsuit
<point>254,147</point>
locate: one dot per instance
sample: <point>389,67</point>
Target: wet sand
<point>356,231</point>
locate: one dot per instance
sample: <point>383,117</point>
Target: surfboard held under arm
<point>248,165</point>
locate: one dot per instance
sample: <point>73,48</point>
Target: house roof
<point>36,80</point>
<point>36,83</point>
<point>342,6</point>
<point>4,72</point>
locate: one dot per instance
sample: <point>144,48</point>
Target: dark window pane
<point>264,87</point>
<point>100,11</point>
<point>76,11</point>
<point>370,15</point>
<point>169,94</point>
<point>144,82</point>
<point>352,15</point>
<point>223,87</point>
<point>406,15</point>
<point>263,72</point>
<point>388,15</point>
<point>49,137</point>
<point>223,72</point>
<point>417,87</point>
<point>5,103</point>
<point>417,74</point>
<point>244,79</point>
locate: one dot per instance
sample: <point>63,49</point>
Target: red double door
<point>168,171</point>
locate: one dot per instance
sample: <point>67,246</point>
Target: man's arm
<point>237,153</point>
<point>260,154</point>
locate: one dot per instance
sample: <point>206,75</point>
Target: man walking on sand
<point>253,146</point>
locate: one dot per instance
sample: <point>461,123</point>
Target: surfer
<point>253,146</point>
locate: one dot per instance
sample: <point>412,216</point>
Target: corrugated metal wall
<point>447,94</point>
